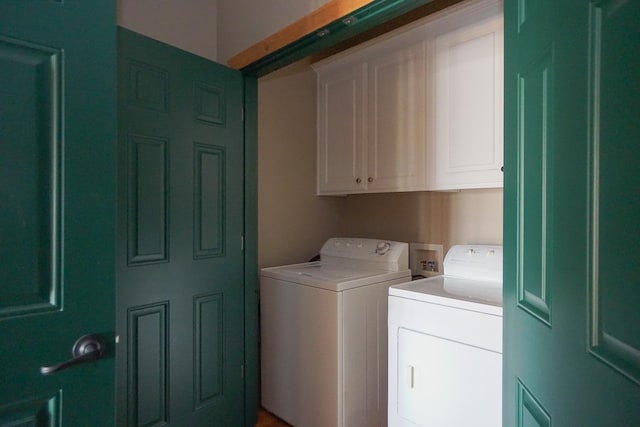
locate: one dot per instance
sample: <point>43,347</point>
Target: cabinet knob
<point>501,168</point>
<point>370,179</point>
<point>358,180</point>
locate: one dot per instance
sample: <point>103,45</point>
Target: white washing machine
<point>324,334</point>
<point>445,344</point>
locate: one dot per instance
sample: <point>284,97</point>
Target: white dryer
<point>324,334</point>
<point>445,344</point>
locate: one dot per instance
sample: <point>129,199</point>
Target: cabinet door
<point>397,117</point>
<point>466,135</point>
<point>341,122</point>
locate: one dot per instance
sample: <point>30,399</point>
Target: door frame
<point>374,19</point>
<point>251,326</point>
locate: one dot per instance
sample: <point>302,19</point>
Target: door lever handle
<point>87,348</point>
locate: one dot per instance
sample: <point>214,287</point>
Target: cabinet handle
<point>501,168</point>
<point>358,180</point>
<point>370,179</point>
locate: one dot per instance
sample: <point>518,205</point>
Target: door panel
<point>32,79</point>
<point>614,89</point>
<point>147,214</point>
<point>57,210</point>
<point>571,210</point>
<point>535,143</point>
<point>180,260</point>
<point>148,385</point>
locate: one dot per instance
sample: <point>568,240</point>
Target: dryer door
<point>446,383</point>
<point>445,365</point>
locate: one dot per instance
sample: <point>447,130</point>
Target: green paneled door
<point>572,213</point>
<point>57,208</point>
<point>180,293</point>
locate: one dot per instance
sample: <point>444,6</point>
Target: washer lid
<point>331,277</point>
<point>468,294</point>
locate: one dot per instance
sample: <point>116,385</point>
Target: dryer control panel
<point>478,262</point>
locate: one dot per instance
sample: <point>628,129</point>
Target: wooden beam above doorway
<point>336,21</point>
<point>308,24</point>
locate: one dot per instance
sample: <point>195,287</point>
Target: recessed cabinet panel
<point>340,123</point>
<point>397,118</point>
<point>466,144</point>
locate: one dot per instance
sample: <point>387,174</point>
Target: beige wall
<point>475,216</point>
<point>292,222</point>
<point>470,216</point>
<point>190,25</point>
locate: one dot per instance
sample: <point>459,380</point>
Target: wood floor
<point>267,419</point>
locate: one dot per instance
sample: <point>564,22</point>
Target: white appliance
<point>445,344</point>
<point>324,334</point>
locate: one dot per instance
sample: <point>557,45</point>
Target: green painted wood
<point>571,212</point>
<point>251,316</point>
<point>180,262</point>
<point>361,20</point>
<point>57,208</point>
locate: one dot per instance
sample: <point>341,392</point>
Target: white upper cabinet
<point>419,110</point>
<point>396,131</point>
<point>341,128</point>
<point>466,148</point>
<point>371,120</point>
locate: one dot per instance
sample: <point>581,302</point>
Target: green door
<point>572,213</point>
<point>57,209</point>
<point>180,292</point>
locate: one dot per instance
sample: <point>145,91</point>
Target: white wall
<point>190,25</point>
<point>214,29</point>
<point>243,23</point>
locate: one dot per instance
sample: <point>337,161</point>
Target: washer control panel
<point>382,248</point>
<point>372,253</point>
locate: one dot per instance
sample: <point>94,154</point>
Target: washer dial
<point>382,248</point>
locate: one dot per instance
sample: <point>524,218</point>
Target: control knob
<point>382,248</point>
